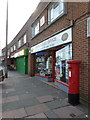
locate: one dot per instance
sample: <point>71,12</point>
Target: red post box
<point>74,78</point>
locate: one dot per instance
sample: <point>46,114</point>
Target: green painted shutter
<point>22,64</point>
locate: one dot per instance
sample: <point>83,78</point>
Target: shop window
<point>61,68</point>
<point>55,10</point>
<point>44,63</point>
<point>24,39</point>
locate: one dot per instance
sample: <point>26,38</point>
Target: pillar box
<point>74,79</point>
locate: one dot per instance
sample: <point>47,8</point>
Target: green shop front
<point>22,61</point>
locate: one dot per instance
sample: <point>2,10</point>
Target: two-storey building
<point>54,34</point>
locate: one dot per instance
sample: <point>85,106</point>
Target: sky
<point>18,13</point>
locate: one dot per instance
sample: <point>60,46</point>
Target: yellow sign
<point>61,74</point>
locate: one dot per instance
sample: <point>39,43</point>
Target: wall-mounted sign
<point>59,39</point>
<point>27,44</point>
<point>88,27</point>
<point>21,53</point>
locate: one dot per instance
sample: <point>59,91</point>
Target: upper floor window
<point>3,53</point>
<point>55,10</point>
<point>8,52</point>
<point>19,43</point>
<point>24,39</point>
<point>42,21</point>
<point>35,29</point>
<point>14,47</point>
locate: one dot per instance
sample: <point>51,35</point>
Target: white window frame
<point>19,43</point>
<point>14,47</point>
<point>88,27</point>
<point>35,29</point>
<point>51,11</point>
<point>24,38</point>
<point>42,21</point>
<point>8,52</point>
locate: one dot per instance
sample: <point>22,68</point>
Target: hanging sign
<point>59,39</point>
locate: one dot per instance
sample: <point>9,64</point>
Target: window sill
<point>43,76</point>
<point>61,82</point>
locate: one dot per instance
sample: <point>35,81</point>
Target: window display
<point>44,64</point>
<point>61,68</point>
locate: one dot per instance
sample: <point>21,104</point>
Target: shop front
<point>43,65</point>
<point>61,67</point>
<point>51,58</point>
<point>22,61</point>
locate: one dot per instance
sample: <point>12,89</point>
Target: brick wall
<point>80,40</point>
<point>80,52</point>
<point>81,43</point>
<point>31,64</point>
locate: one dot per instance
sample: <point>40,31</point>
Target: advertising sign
<point>59,39</point>
<point>21,53</point>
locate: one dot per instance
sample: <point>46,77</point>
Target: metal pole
<point>6,70</point>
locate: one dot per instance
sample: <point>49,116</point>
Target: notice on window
<point>69,73</point>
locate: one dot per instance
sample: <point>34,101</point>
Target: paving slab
<point>9,94</point>
<point>1,91</point>
<point>28,102</point>
<point>10,99</point>
<point>36,109</point>
<point>40,115</point>
<point>8,90</point>
<point>38,99</point>
<point>45,98</point>
<point>18,113</point>
<point>57,103</point>
<point>51,114</point>
<point>68,112</point>
<point>10,106</point>
<point>26,96</point>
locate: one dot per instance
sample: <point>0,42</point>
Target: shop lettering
<point>54,41</point>
<point>47,44</point>
<point>51,40</point>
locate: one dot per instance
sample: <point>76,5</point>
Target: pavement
<point>25,97</point>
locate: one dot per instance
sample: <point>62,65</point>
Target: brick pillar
<point>31,64</point>
<point>53,63</point>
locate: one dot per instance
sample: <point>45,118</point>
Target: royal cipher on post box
<point>74,80</point>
